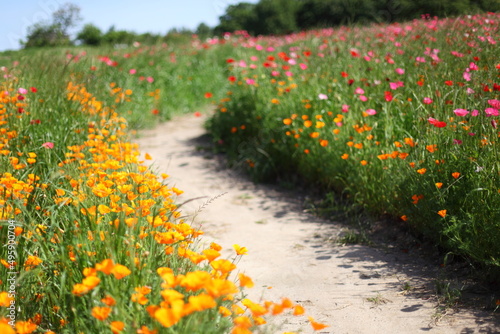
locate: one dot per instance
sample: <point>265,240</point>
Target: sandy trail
<point>353,288</point>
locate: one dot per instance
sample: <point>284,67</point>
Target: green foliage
<point>44,35</point>
<point>276,17</point>
<point>90,35</point>
<point>55,33</point>
<point>203,30</point>
<point>238,17</point>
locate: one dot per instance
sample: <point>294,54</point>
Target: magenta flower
<point>491,112</point>
<point>427,100</point>
<point>250,81</point>
<point>475,112</point>
<point>399,71</point>
<point>494,103</point>
<point>473,67</point>
<point>303,66</point>
<point>393,85</point>
<point>461,112</point>
<point>359,91</point>
<point>132,71</point>
<point>467,76</point>
<point>345,108</point>
<point>363,98</point>
<point>150,79</point>
<point>48,145</point>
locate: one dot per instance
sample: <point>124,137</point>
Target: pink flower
<point>399,71</point>
<point>457,141</point>
<point>250,81</point>
<point>345,108</point>
<point>420,59</point>
<point>470,91</point>
<point>150,79</point>
<point>359,91</point>
<point>303,66</point>
<point>427,100</point>
<point>491,112</point>
<point>494,103</point>
<point>461,112</point>
<point>473,67</point>
<point>275,73</point>
<point>475,112</point>
<point>48,144</point>
<point>371,112</point>
<point>22,91</point>
<point>466,76</point>
<point>363,98</point>
<point>323,97</point>
<point>288,73</point>
<point>132,71</point>
<point>393,85</point>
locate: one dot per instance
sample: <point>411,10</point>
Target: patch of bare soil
<point>355,288</point>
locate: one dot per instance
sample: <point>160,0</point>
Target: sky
<point>155,16</point>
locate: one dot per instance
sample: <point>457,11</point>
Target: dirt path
<point>354,288</point>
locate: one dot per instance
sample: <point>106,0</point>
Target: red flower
<point>208,95</point>
<point>344,74</point>
<point>33,90</point>
<point>448,83</point>
<point>436,123</point>
<point>232,78</point>
<point>388,96</point>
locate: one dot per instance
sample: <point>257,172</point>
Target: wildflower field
<point>94,241</point>
<point>401,119</point>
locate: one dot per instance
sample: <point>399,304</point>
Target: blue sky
<point>157,16</point>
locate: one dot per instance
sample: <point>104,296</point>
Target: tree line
<point>267,17</point>
<point>277,17</point>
